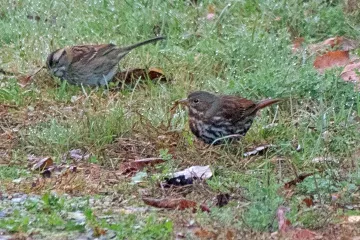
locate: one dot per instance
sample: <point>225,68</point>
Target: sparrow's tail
<point>266,102</point>
<point>129,48</point>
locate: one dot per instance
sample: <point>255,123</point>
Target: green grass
<point>12,172</point>
<point>245,50</point>
<point>50,214</point>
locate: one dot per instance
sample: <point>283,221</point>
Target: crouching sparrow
<point>89,65</point>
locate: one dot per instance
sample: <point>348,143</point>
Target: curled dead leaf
<point>331,60</point>
<point>130,76</point>
<point>179,203</point>
<point>39,164</point>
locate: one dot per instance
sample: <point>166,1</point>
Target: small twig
<point>149,159</point>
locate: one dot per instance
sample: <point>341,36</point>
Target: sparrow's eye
<point>196,100</point>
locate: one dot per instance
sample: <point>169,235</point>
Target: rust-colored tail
<point>266,102</point>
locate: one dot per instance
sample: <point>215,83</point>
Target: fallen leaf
<point>283,222</point>
<point>78,155</point>
<point>308,202</point>
<point>23,81</point>
<point>187,176</point>
<point>334,43</point>
<point>331,59</point>
<point>302,234</point>
<point>39,164</point>
<point>204,208</point>
<point>156,73</point>
<point>179,203</point>
<point>230,235</point>
<point>130,76</point>
<point>204,234</point>
<point>351,72</point>
<point>132,167</point>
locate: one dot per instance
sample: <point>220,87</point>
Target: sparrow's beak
<point>184,101</point>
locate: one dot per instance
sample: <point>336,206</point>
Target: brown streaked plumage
<point>91,65</point>
<point>216,119</point>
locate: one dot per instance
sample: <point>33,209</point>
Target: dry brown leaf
<point>302,234</point>
<point>289,232</point>
<point>283,222</point>
<point>39,164</point>
<point>351,72</point>
<point>23,81</point>
<point>156,73</point>
<point>204,234</point>
<point>230,235</point>
<point>179,203</point>
<point>331,59</point>
<point>308,201</point>
<point>130,76</point>
<point>334,43</point>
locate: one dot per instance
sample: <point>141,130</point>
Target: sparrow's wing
<point>236,108</point>
<point>88,53</point>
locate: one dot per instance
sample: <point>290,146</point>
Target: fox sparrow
<point>216,119</point>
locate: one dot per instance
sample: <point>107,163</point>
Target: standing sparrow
<point>90,65</point>
<point>215,119</point>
